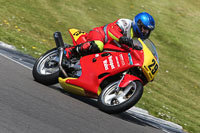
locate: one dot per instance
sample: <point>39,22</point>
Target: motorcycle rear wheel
<point>113,102</point>
<point>46,70</point>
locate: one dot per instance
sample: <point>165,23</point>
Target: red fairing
<point>138,57</point>
<point>106,64</point>
<point>127,79</point>
<point>79,40</point>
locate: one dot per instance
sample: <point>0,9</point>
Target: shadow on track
<point>93,102</point>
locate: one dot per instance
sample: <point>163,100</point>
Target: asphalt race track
<point>29,107</point>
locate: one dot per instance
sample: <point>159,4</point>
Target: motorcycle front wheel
<point>46,69</point>
<point>112,102</point>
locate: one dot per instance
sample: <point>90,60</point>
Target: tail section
<point>78,36</point>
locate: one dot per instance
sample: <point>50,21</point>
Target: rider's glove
<point>69,51</point>
<point>129,42</point>
<point>126,40</point>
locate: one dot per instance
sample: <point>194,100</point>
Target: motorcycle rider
<point>122,31</point>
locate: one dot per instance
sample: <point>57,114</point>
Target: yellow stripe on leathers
<point>100,44</point>
<point>112,36</point>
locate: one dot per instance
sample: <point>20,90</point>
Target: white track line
<point>15,61</point>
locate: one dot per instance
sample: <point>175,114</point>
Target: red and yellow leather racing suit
<point>99,36</point>
<point>112,31</point>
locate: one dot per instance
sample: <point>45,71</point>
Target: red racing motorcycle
<point>115,76</point>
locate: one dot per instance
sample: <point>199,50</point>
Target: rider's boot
<point>81,49</point>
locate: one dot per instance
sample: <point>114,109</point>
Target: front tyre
<point>113,102</point>
<point>46,69</point>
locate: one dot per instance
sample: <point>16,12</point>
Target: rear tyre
<point>112,102</point>
<point>46,70</point>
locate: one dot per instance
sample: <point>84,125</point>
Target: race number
<point>78,33</point>
<point>153,67</point>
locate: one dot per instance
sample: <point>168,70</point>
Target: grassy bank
<point>175,93</point>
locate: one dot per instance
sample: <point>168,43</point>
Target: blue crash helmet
<point>143,24</point>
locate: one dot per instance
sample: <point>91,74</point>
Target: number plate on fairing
<point>150,66</point>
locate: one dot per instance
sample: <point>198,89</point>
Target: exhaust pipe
<point>60,45</point>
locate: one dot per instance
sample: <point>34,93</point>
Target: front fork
<point>118,88</point>
<point>125,80</point>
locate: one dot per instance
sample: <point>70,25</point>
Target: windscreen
<point>152,48</point>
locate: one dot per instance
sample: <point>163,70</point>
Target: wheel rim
<point>112,98</point>
<point>49,63</point>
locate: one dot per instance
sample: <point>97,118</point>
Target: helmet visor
<point>145,31</point>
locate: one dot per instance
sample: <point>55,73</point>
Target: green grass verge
<point>174,95</point>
